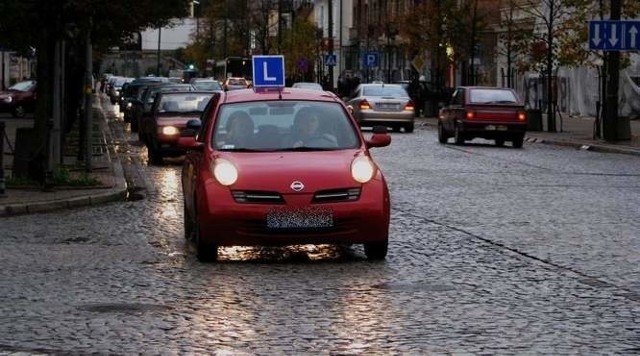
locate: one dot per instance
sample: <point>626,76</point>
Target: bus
<point>233,67</point>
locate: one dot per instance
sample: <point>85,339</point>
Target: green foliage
<point>60,177</point>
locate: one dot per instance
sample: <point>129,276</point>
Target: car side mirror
<point>380,137</point>
<point>350,108</point>
<point>192,128</point>
<point>190,143</point>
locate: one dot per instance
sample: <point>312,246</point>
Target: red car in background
<point>487,112</point>
<point>19,99</point>
<point>169,115</point>
<point>285,167</point>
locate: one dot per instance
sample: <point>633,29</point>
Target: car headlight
<point>8,99</point>
<point>129,105</point>
<point>169,130</point>
<point>224,171</point>
<point>362,169</point>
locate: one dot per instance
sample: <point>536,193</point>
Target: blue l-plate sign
<point>268,71</point>
<point>614,35</point>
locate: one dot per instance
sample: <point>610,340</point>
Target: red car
<point>487,112</point>
<point>283,168</point>
<point>19,98</point>
<point>171,111</point>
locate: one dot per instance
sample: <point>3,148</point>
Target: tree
<point>540,50</point>
<point>106,23</point>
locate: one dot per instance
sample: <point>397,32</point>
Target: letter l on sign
<point>266,75</point>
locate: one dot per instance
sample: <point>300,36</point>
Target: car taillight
<point>522,116</point>
<point>470,115</point>
<point>409,106</point>
<point>364,105</point>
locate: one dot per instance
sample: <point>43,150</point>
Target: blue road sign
<point>614,35</point>
<point>268,71</point>
<point>370,59</point>
<point>330,60</point>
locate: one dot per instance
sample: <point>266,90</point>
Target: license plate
<point>302,218</point>
<point>496,128</point>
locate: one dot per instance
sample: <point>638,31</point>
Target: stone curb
<point>585,146</point>
<point>117,193</point>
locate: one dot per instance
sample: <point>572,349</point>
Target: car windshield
<point>284,126</point>
<point>23,86</point>
<point>183,103</point>
<point>492,96</point>
<point>306,85</point>
<point>207,85</point>
<point>236,82</point>
<point>384,90</point>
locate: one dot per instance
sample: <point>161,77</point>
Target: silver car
<point>383,104</point>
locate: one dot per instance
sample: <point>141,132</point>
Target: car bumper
<point>224,222</point>
<point>493,129</point>
<point>168,146</point>
<point>379,118</point>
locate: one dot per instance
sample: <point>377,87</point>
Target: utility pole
<point>2,87</point>
<point>279,26</point>
<point>88,110</point>
<point>551,115</point>
<point>158,54</point>
<point>330,47</point>
<point>610,123</point>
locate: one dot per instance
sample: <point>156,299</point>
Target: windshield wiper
<point>307,148</point>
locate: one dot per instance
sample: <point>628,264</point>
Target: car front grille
<point>320,197</point>
<point>257,197</point>
<point>336,195</point>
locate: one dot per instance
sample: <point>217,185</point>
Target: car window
<point>23,86</point>
<point>206,116</point>
<point>275,126</point>
<point>384,90</point>
<point>458,97</point>
<point>189,103</point>
<point>492,96</point>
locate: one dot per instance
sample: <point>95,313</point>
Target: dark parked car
<point>168,118</point>
<point>383,104</point>
<point>142,105</point>
<point>487,112</point>
<point>19,98</point>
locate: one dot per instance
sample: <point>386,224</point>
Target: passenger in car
<point>305,131</point>
<point>240,129</point>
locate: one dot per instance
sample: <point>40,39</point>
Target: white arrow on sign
<point>596,36</point>
<point>634,32</point>
<point>613,39</point>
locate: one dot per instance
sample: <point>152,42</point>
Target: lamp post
<point>390,34</point>
<point>196,16</point>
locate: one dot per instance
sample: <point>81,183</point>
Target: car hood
<point>6,93</point>
<point>278,170</point>
<point>180,120</point>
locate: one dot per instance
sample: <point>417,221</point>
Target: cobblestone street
<point>492,251</point>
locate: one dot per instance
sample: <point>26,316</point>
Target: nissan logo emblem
<point>297,185</point>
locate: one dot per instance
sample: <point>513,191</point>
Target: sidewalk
<point>105,168</point>
<point>576,132</point>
